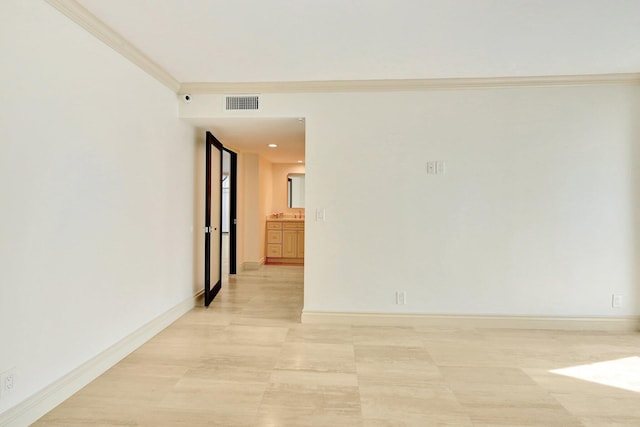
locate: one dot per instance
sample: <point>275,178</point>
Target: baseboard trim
<point>629,323</point>
<point>249,266</point>
<point>34,407</point>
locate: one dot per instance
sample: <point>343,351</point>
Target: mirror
<point>295,190</point>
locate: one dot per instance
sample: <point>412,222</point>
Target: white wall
<point>199,174</point>
<point>536,214</point>
<point>96,197</point>
<point>256,196</point>
<point>265,182</point>
<point>251,212</point>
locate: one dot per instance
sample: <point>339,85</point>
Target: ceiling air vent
<point>241,103</point>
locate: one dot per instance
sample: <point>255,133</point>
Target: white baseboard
<point>34,407</point>
<point>249,266</point>
<point>630,323</point>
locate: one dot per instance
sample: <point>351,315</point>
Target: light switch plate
<point>431,168</point>
<point>435,167</point>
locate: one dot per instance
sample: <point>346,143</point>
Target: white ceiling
<point>302,40</point>
<point>315,40</point>
<point>253,135</point>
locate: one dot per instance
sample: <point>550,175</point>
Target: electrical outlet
<point>8,382</point>
<point>401,297</point>
<point>616,301</point>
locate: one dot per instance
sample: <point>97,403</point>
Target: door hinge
<point>208,229</point>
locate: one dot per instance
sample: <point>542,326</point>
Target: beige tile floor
<point>247,361</point>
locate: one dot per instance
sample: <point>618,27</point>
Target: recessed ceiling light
<point>299,161</point>
<point>273,145</point>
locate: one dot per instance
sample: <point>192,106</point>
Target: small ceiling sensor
<point>273,145</point>
<point>186,98</point>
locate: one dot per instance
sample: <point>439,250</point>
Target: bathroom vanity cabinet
<point>284,241</point>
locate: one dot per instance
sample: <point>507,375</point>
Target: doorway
<point>260,144</point>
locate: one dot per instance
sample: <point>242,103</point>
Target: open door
<point>213,220</point>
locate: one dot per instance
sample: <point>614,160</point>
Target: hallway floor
<point>247,361</point>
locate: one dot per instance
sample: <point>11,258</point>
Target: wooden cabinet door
<point>289,243</point>
<point>300,244</point>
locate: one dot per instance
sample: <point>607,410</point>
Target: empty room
<point>297,213</point>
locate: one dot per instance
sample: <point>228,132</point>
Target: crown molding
<point>408,84</point>
<point>81,16</point>
<point>88,21</point>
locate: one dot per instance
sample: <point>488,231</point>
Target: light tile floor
<point>247,361</point>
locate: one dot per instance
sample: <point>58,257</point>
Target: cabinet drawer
<point>274,225</point>
<point>274,251</point>
<point>293,226</point>
<point>274,236</point>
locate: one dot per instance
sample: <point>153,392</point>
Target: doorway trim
<point>233,209</point>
